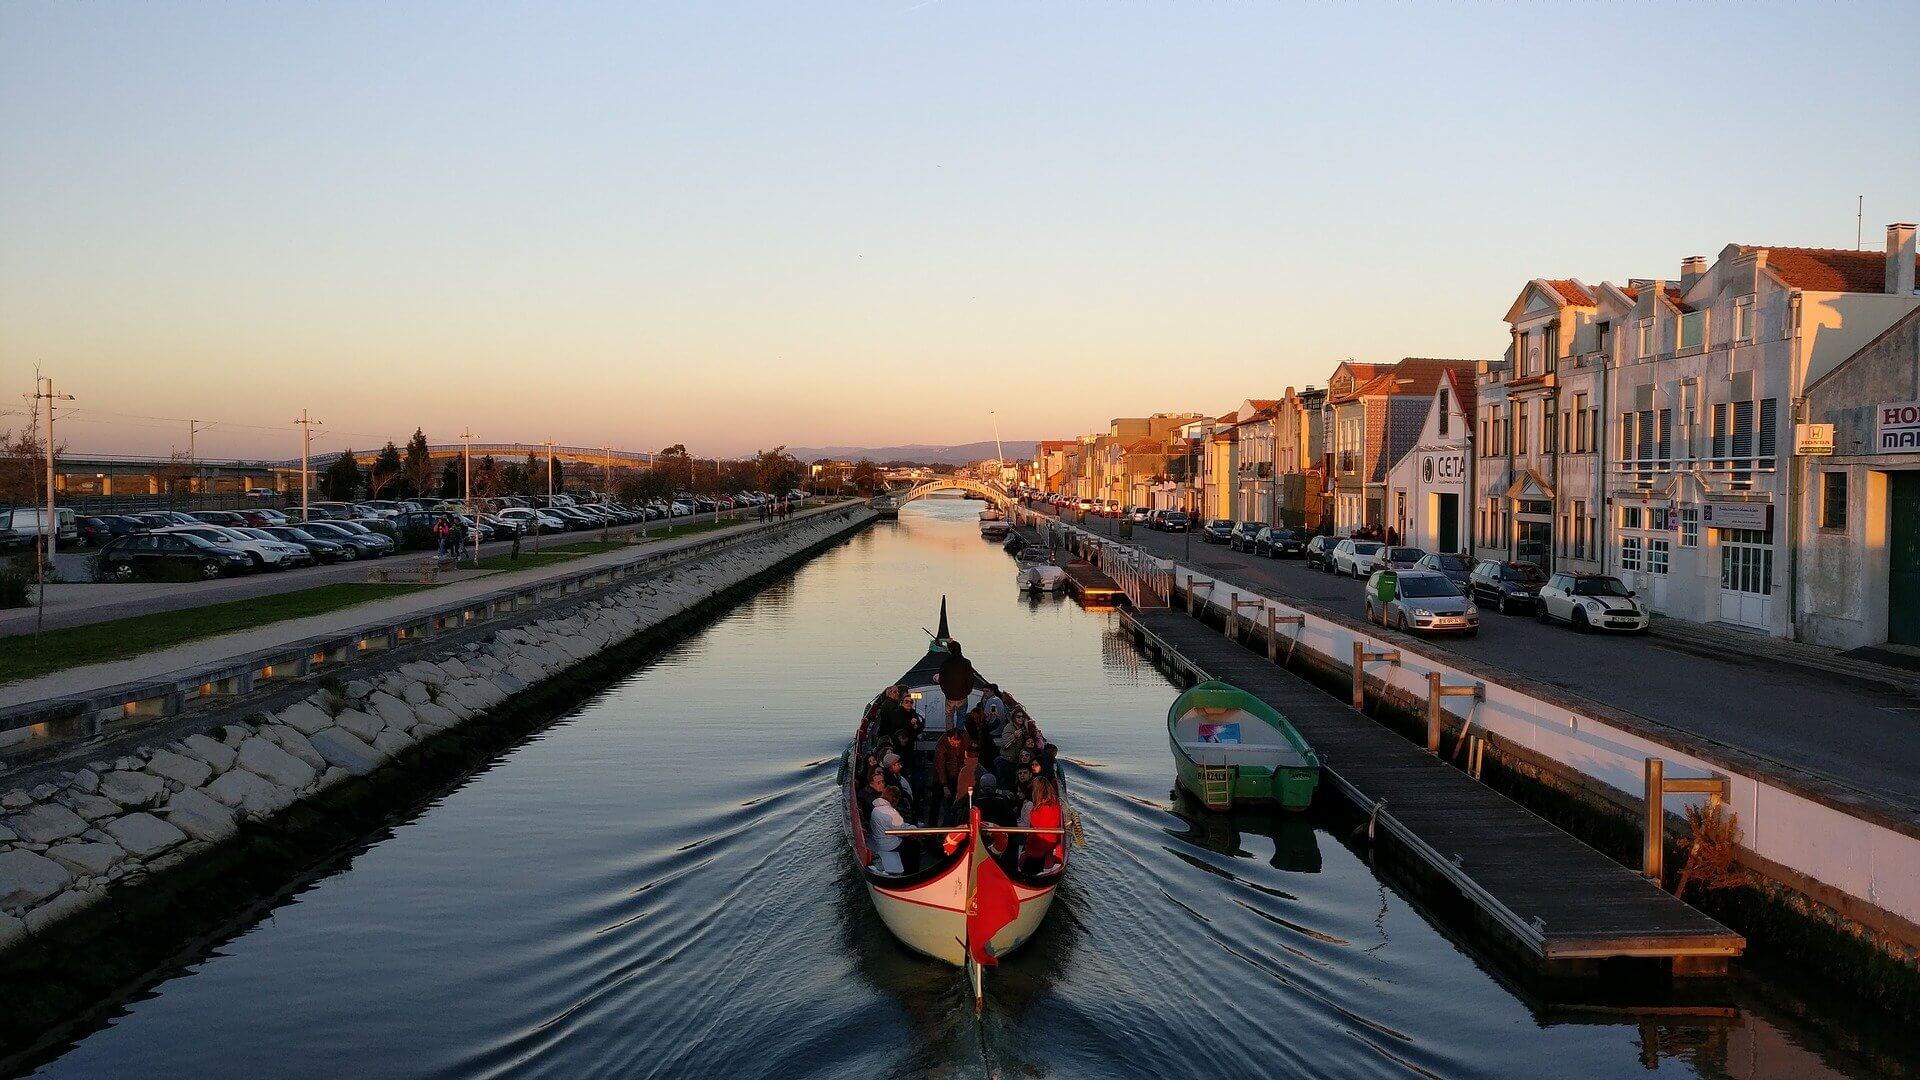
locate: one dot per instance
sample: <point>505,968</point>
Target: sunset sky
<point>737,225</point>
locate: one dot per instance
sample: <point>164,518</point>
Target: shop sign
<point>1899,427</point>
<point>1813,440</point>
<point>1749,515</point>
<point>1444,468</point>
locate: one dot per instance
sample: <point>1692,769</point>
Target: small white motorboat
<point>1037,571</point>
<point>994,525</point>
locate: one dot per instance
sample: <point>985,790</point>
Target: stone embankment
<point>77,837</point>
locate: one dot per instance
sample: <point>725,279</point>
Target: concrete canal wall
<point>1848,864</point>
<point>73,838</point>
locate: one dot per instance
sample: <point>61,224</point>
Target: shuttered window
<point>1720,434</point>
<point>1743,442</point>
<point>1767,433</point>
<point>1666,435</point>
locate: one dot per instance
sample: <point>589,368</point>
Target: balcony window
<point>1743,320</point>
<point>1645,348</point>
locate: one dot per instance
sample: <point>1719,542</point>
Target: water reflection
<point>660,887</point>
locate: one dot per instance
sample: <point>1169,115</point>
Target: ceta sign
<point>1899,428</point>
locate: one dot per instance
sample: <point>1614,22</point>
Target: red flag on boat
<point>992,906</point>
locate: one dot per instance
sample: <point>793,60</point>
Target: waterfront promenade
<point>1842,728</point>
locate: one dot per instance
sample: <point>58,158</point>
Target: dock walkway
<point>1562,901</point>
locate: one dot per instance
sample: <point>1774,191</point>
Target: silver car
<point>1420,601</point>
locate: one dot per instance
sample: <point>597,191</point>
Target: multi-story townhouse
<point>1298,450</point>
<point>1538,485</point>
<point>1376,421</point>
<point>1704,400</point>
<point>1219,468</point>
<point>1253,436</point>
<point>1430,489</point>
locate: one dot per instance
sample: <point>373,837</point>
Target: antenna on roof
<point>1859,219</point>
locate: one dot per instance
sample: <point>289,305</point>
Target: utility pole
<point>547,509</point>
<point>607,492</point>
<point>473,515</point>
<point>50,528</point>
<point>306,449</point>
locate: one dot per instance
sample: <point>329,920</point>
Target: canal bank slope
<point>110,869</point>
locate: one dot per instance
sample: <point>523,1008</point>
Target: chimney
<point>1692,269</point>
<point>1900,255</point>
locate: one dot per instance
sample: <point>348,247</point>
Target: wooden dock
<point>1564,903</point>
<point>1090,583</point>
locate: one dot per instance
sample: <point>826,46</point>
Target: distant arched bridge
<point>993,493</point>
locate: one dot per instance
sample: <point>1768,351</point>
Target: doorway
<point>1448,515</point>
<point>1903,549</point>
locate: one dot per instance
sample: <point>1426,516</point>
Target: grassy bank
<point>26,655</point>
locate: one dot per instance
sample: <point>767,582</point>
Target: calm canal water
<point>657,885</point>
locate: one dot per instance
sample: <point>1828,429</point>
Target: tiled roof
<point>1465,393</point>
<point>1571,291</point>
<point>1827,269</point>
<point>1146,446</point>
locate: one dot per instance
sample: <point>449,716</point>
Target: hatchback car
<point>1420,601</point>
<point>1354,558</point>
<point>1217,531</point>
<point>1398,558</point>
<point>1508,586</point>
<point>1591,602</point>
<point>1319,552</point>
<point>1173,521</point>
<point>1280,543</point>
<point>1241,538</point>
<point>1457,567</point>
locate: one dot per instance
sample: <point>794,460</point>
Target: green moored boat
<point>1231,747</point>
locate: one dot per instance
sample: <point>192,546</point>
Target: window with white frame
<point>1656,556</point>
<point>1689,526</point>
<point>1743,320</point>
<point>1630,517</point>
<point>1645,343</point>
<point>1629,553</point>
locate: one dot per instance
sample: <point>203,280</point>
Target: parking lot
<point>78,600</point>
<point>1855,733</point>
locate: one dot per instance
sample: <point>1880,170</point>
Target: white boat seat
<point>1270,757</point>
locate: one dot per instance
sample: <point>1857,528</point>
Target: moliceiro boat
<point>1230,747</point>
<point>969,883</point>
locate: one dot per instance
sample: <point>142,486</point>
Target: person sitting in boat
<point>1042,811</point>
<point>894,773</point>
<point>871,788</point>
<point>994,707</point>
<point>956,681</point>
<point>948,755</point>
<point>886,849</point>
<point>963,784</point>
<point>893,712</point>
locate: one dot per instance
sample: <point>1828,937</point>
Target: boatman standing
<point>956,682</point>
<point>886,849</point>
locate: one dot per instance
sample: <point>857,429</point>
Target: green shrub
<point>16,581</point>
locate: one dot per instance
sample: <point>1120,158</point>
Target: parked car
<point>322,551</point>
<point>1278,541</point>
<point>226,519</point>
<point>296,554</point>
<point>1457,567</point>
<point>542,520</point>
<point>1319,552</point>
<point>1420,601</point>
<point>1140,515</point>
<point>167,555</point>
<point>1174,521</point>
<point>1217,531</point>
<point>97,530</point>
<point>25,524</point>
<point>1354,558</point>
<point>1507,586</point>
<point>1241,538</point>
<point>1397,558</point>
<point>264,517</point>
<point>359,544</point>
<point>260,555</point>
<point>1591,602</point>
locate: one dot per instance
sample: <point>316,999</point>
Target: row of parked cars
<point>217,543</point>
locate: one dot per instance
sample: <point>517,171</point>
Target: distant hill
<point>925,455</point>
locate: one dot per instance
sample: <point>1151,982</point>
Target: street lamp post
<point>538,528</point>
<point>50,528</point>
<point>306,450</point>
<point>606,522</point>
<point>473,513</point>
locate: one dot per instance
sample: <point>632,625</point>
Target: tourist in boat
<point>894,773</point>
<point>948,755</point>
<point>994,707</point>
<point>893,712</point>
<point>963,784</point>
<point>1042,811</point>
<point>884,816</point>
<point>956,682</point>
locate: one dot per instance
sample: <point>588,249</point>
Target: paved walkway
<point>1802,708</point>
<point>80,603</point>
<point>213,649</point>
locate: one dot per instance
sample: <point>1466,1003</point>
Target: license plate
<point>1447,620</point>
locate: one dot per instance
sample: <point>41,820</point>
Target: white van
<point>25,524</point>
